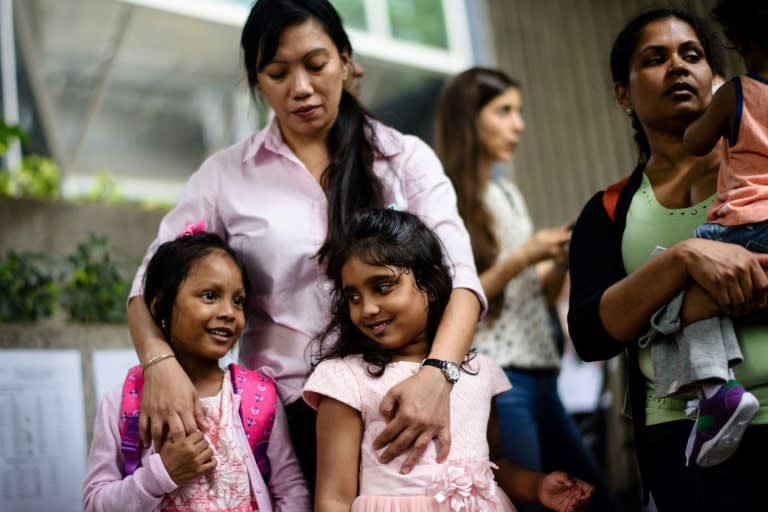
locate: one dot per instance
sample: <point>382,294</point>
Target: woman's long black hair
<point>457,144</point>
<point>349,181</point>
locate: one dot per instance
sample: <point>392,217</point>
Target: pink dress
<point>464,482</point>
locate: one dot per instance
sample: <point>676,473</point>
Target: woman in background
<point>479,124</point>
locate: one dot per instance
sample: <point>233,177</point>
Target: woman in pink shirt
<point>281,198</point>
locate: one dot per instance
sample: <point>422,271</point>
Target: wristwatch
<point>450,370</point>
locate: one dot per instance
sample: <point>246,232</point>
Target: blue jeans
<point>750,236</point>
<point>539,434</point>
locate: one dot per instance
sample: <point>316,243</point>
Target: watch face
<point>452,372</point>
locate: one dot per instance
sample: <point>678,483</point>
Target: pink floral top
<point>228,487</point>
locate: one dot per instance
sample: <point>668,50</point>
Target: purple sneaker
<point>721,422</point>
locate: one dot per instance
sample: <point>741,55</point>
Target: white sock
<point>709,390</point>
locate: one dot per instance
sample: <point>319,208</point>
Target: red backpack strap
<point>130,405</point>
<point>258,402</point>
<point>611,197</point>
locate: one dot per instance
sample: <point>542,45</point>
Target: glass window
<point>419,22</point>
<point>352,13</point>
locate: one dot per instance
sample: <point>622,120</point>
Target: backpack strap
<point>130,405</point>
<point>611,197</point>
<point>258,403</point>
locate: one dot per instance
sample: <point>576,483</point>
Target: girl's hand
<point>417,410</point>
<point>169,399</point>
<point>561,492</point>
<point>188,458</point>
<point>732,275</point>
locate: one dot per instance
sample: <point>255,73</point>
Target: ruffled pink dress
<point>463,483</point>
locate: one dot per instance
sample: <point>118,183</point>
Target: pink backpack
<point>258,400</point>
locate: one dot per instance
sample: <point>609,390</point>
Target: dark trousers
<point>301,422</point>
<point>736,485</point>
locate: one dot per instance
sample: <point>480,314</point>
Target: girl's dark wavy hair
<point>349,181</point>
<point>624,46</point>
<point>169,268</point>
<point>379,236</point>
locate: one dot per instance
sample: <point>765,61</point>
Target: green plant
<point>28,291</point>
<point>9,133</point>
<point>105,189</point>
<point>38,177</point>
<point>95,289</point>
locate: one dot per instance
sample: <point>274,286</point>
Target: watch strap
<point>443,366</point>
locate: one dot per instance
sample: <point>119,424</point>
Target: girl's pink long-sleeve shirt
<point>106,489</point>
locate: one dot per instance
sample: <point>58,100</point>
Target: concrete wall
<point>56,227</point>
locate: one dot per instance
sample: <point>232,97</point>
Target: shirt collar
<point>271,138</point>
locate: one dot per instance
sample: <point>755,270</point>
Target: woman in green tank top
<point>661,64</point>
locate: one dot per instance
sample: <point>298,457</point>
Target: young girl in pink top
<point>195,290</point>
<point>391,288</point>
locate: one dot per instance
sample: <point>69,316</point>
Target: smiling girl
<point>391,290</point>
<point>195,289</point>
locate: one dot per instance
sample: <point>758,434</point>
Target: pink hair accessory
<point>192,228</point>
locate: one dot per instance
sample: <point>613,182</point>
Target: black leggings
<point>735,485</point>
<point>301,422</point>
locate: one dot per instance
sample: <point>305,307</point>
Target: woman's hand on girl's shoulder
<point>734,277</point>
<point>417,411</point>
<point>169,404</point>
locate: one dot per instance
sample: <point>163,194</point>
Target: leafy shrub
<point>9,133</point>
<point>28,291</point>
<point>95,289</point>
<point>105,189</point>
<point>39,177</point>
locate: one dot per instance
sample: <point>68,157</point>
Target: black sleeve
<point>595,264</point>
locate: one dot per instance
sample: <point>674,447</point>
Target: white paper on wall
<point>109,369</point>
<point>42,430</point>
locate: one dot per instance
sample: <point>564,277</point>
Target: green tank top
<point>649,225</point>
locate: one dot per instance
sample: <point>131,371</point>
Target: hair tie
<point>192,228</point>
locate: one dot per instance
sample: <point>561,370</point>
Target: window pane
<point>352,13</point>
<point>420,22</point>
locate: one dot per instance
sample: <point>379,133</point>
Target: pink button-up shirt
<point>262,199</point>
